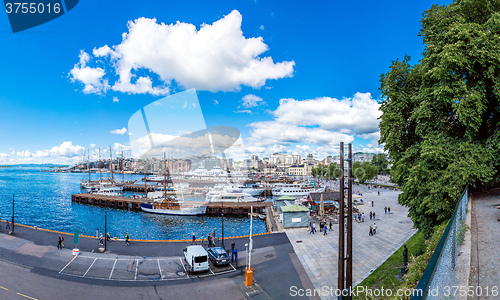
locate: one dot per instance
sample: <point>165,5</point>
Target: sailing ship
<point>171,205</point>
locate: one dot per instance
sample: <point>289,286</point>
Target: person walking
<point>101,240</point>
<point>233,245</point>
<point>373,202</point>
<point>127,237</point>
<point>385,209</point>
<point>202,240</point>
<point>108,237</point>
<point>193,241</point>
<point>324,230</point>
<point>314,228</point>
<point>371,231</point>
<point>374,228</point>
<point>373,215</point>
<point>209,238</point>
<point>8,225</point>
<point>330,225</point>
<point>389,209</point>
<point>59,242</point>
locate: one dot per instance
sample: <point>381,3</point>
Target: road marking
<point>185,271</point>
<point>112,269</point>
<point>211,271</point>
<point>136,266</point>
<point>1,287</point>
<point>27,296</point>
<point>68,263</point>
<point>232,266</point>
<point>159,268</point>
<point>90,267</point>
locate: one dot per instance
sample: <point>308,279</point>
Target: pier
<point>215,208</point>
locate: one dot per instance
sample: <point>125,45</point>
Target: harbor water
<point>43,199</point>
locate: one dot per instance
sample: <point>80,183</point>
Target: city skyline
<point>298,78</point>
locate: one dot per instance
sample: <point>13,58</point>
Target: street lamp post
<point>13,196</point>
<point>246,256</point>
<point>223,245</point>
<point>105,226</point>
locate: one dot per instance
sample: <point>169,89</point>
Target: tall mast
<point>145,180</point>
<point>99,164</point>
<point>164,176</point>
<point>88,163</point>
<point>123,168</point>
<point>111,163</point>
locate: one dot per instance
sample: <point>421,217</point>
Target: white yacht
<point>101,186</point>
<point>299,189</point>
<point>173,206</point>
<point>220,189</point>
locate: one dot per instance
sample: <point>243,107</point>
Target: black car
<point>218,256</point>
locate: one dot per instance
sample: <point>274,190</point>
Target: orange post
<point>249,277</point>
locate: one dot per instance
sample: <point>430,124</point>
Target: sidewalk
<point>318,253</point>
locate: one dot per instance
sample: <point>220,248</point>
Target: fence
<point>440,271</point>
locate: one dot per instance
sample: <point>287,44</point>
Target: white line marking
<point>159,268</point>
<point>211,271</point>
<point>232,266</point>
<point>112,269</point>
<point>69,263</point>
<point>185,271</point>
<point>90,267</point>
<point>136,266</point>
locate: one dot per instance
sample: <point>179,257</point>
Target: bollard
<point>249,277</point>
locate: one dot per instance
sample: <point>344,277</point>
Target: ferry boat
<point>232,197</point>
<point>300,189</point>
<point>221,189</point>
<point>173,206</point>
<point>101,185</point>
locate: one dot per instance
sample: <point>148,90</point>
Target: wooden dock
<point>215,208</point>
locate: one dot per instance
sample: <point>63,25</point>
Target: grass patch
<point>383,276</point>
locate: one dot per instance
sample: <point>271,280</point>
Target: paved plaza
<point>318,253</point>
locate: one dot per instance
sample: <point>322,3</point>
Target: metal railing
<point>440,271</point>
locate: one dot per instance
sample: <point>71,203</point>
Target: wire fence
<point>440,271</point>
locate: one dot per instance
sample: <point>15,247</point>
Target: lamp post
<point>13,213</point>
<point>246,256</point>
<point>105,225</point>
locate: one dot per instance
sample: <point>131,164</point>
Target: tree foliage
<point>440,121</point>
<point>380,161</point>
<point>363,171</point>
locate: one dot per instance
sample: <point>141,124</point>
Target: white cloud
<point>92,146</point>
<point>244,111</point>
<point>3,156</point>
<point>252,101</point>
<point>217,57</point>
<point>317,125</point>
<point>25,153</point>
<point>216,102</point>
<point>120,147</point>
<point>261,27</point>
<point>119,131</point>
<point>92,78</point>
<point>115,99</point>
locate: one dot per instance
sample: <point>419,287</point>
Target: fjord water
<point>43,199</point>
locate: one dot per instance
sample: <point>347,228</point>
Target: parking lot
<point>136,268</point>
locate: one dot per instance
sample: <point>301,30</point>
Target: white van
<point>197,258</point>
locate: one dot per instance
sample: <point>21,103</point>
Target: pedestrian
<point>371,215</point>
<point>324,231</point>
<point>233,245</point>
<point>108,237</point>
<point>127,237</point>
<point>373,202</point>
<point>363,218</point>
<point>379,193</point>
<point>371,231</point>
<point>59,242</point>
<point>330,225</point>
<point>209,237</point>
<point>374,228</point>
<point>314,228</point>
<point>194,239</point>
<point>356,217</point>
<point>8,225</point>
<point>214,241</point>
<point>101,239</point>
<point>202,240</point>
<point>389,209</point>
<point>385,209</point>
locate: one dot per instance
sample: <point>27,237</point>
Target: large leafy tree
<point>380,161</point>
<point>440,121</point>
<point>363,171</point>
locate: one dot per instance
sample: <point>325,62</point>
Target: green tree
<point>381,162</point>
<point>363,171</point>
<point>440,121</point>
<point>334,170</point>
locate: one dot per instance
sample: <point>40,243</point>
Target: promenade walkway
<point>318,253</point>
<point>485,231</point>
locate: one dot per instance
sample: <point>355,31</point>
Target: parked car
<point>218,256</point>
<point>196,257</point>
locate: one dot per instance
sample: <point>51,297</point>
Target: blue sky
<point>321,86</point>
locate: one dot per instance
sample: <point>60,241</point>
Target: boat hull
<point>184,211</point>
